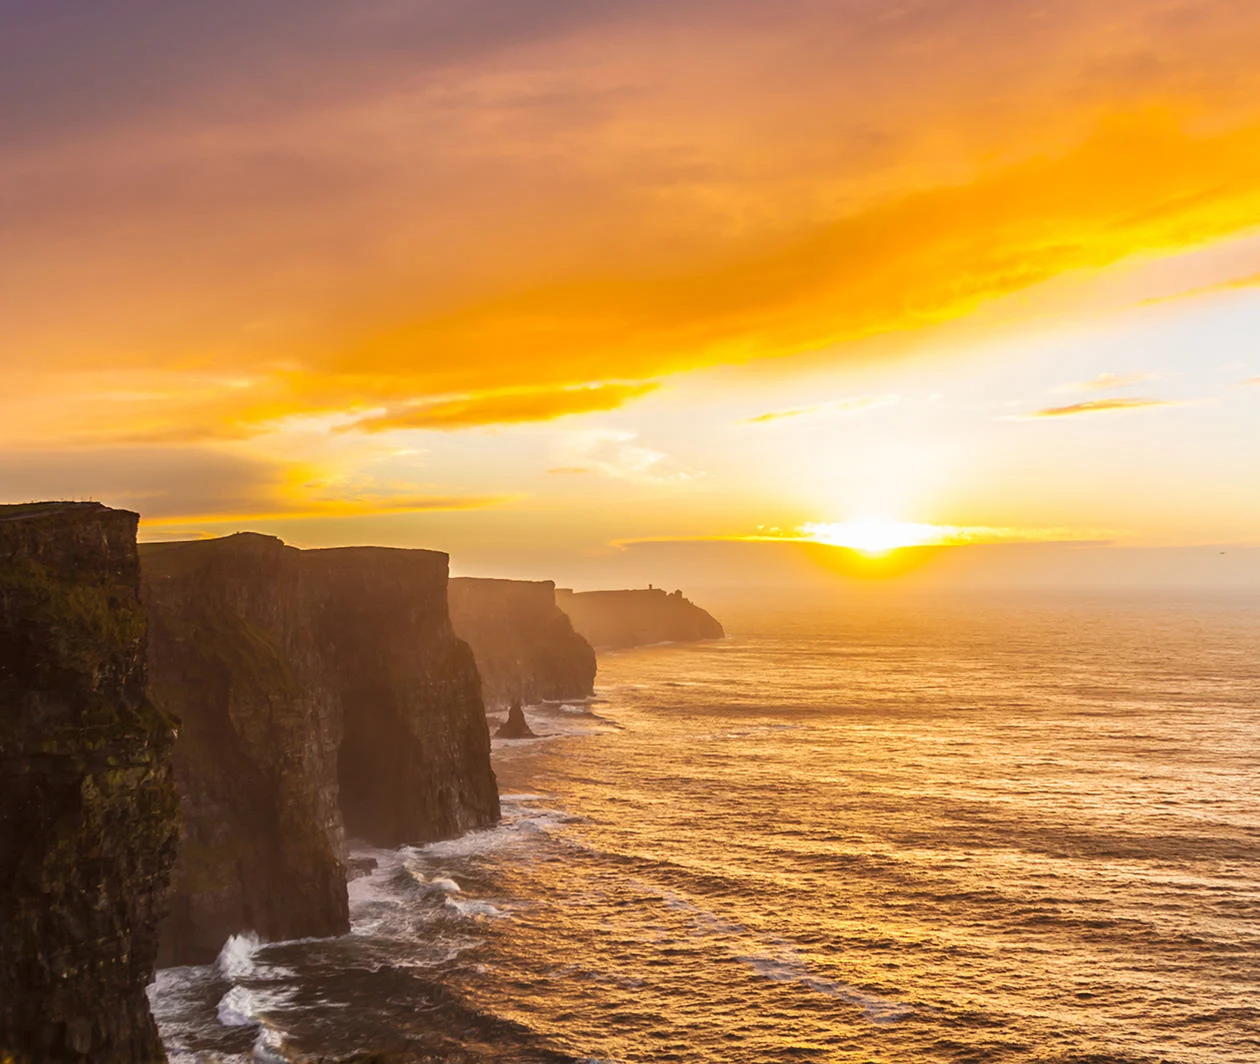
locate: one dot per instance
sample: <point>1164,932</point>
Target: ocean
<point>895,829</point>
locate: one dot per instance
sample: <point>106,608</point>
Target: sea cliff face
<point>525,645</point>
<point>318,689</point>
<point>618,619</point>
<point>414,764</point>
<point>88,811</point>
<point>231,653</point>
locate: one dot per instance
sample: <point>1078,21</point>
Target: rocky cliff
<point>317,688</point>
<point>88,812</point>
<point>616,619</point>
<point>414,763</point>
<point>231,652</point>
<point>525,645</point>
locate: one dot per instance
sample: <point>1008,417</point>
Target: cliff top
<point>19,511</point>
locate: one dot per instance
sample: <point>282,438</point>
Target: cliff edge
<point>88,810</point>
<point>619,619</point>
<point>525,645</point>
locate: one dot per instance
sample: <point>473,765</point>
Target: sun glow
<point>873,535</point>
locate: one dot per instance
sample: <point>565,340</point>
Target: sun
<point>872,536</point>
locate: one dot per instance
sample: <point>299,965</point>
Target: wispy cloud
<point>1098,406</point>
<point>1232,285</point>
<point>615,453</point>
<point>513,406</point>
<point>1108,381</point>
<point>838,406</point>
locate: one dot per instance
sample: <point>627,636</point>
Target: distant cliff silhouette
<point>525,645</point>
<point>619,619</point>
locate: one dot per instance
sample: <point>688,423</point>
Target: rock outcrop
<point>323,692</point>
<point>525,645</point>
<point>88,810</point>
<point>231,653</point>
<point>516,726</point>
<point>619,619</point>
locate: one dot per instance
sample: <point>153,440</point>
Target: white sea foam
<point>236,959</point>
<point>472,908</point>
<point>239,1007</point>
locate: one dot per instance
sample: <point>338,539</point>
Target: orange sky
<point>530,277</point>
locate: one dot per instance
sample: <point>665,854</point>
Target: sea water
<point>915,829</point>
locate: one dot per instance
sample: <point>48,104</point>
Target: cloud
<point>784,178</point>
<point>506,407</point>
<point>1233,284</point>
<point>189,485</point>
<point>1100,406</point>
<point>614,453</point>
<point>839,406</point>
<point>1109,381</point>
<point>306,509</point>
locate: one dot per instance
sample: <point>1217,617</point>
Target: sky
<point>596,289</point>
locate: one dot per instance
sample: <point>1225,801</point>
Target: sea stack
<point>88,809</point>
<point>516,726</point>
<point>525,645</point>
<point>613,620</point>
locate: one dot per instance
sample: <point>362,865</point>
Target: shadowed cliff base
<point>88,811</point>
<point>525,645</point>
<point>614,620</point>
<point>322,691</point>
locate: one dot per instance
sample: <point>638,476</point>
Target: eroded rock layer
<point>525,645</point>
<point>88,810</point>
<point>618,619</point>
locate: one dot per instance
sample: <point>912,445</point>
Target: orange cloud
<point>506,407</point>
<point>840,406</point>
<point>371,506</point>
<point>783,179</point>
<point>1102,406</point>
<point>1107,381</point>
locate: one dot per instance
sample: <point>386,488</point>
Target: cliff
<point>88,812</point>
<point>317,688</point>
<point>525,645</point>
<point>230,652</point>
<point>618,619</point>
<point>414,764</point>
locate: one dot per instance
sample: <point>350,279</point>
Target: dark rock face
<point>231,653</point>
<point>88,810</point>
<point>317,688</point>
<point>516,726</point>
<point>414,764</point>
<point>618,619</point>
<point>525,645</point>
